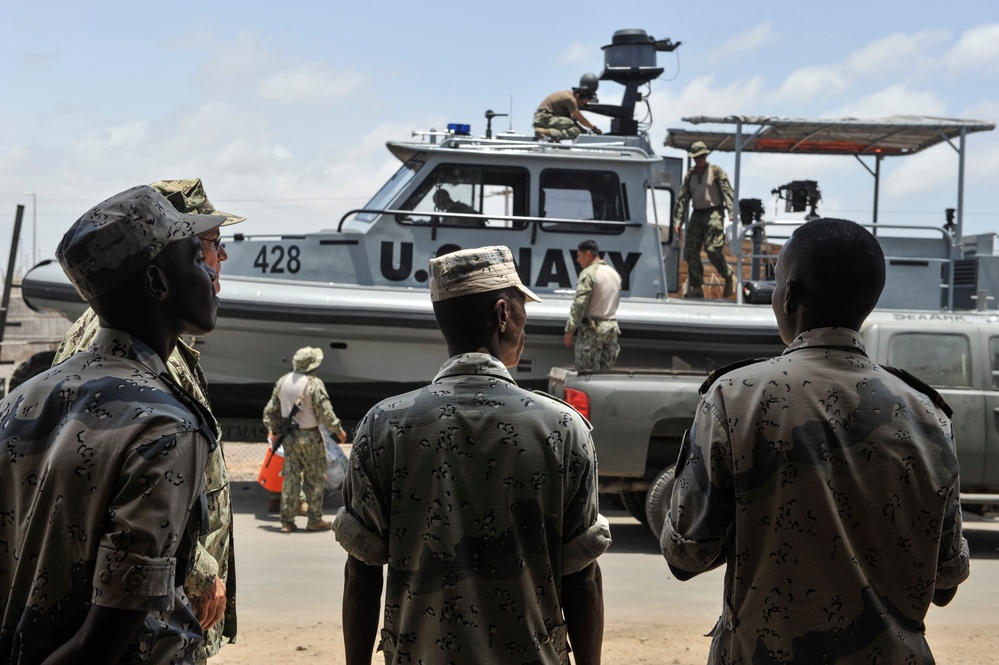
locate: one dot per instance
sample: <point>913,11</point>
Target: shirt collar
<point>828,337</point>
<point>122,345</point>
<point>474,363</point>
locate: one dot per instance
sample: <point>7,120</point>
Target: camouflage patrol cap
<point>188,195</point>
<point>698,148</point>
<point>469,271</point>
<point>117,238</point>
<point>307,359</point>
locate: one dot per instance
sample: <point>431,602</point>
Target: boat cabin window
<point>390,189</point>
<point>940,359</point>
<point>572,194</point>
<point>475,196</point>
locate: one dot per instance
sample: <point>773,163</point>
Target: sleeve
<point>681,200</point>
<point>202,576</point>
<point>584,289</point>
<point>953,562</point>
<point>272,411</point>
<point>585,532</point>
<point>701,507</point>
<point>726,189</point>
<point>158,484</point>
<point>361,525</point>
<point>323,407</point>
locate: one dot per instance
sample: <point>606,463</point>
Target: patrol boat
<point>360,291</point>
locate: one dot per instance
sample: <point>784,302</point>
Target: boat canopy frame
<point>890,136</point>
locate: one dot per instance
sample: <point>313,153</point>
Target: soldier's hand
<point>342,436</point>
<point>596,130</point>
<point>209,607</point>
<point>271,438</point>
<point>568,340</point>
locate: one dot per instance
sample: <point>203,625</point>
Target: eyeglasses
<point>216,241</point>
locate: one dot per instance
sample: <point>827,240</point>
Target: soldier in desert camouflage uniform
<point>304,450</point>
<point>103,462</point>
<point>481,498</point>
<point>211,585</point>
<point>825,483</point>
<point>592,316</point>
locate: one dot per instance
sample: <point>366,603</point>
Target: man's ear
<point>155,281</point>
<point>792,297</point>
<point>501,310</point>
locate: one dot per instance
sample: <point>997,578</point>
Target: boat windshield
<point>390,189</point>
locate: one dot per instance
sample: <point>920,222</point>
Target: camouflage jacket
<point>829,488</point>
<point>101,481</point>
<point>215,556</point>
<point>479,496</point>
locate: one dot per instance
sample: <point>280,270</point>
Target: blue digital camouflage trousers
<point>560,127</point>
<point>596,346</point>
<point>304,472</point>
<point>705,229</point>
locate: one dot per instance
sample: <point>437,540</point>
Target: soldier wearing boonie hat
<point>447,471</point>
<point>707,189</point>
<point>211,584</point>
<point>108,446</point>
<point>302,395</point>
<point>469,271</point>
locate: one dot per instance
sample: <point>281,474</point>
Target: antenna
<point>490,114</point>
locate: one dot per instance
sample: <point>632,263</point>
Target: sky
<point>284,109</point>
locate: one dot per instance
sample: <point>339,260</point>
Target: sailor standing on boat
<point>558,117</point>
<point>707,188</point>
<point>592,316</point>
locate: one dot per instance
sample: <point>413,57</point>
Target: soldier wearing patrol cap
<point>211,585</point>
<point>304,450</point>
<point>103,463</point>
<point>479,496</point>
<point>707,188</point>
<point>826,484</point>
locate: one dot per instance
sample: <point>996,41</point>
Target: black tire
<point>34,365</point>
<point>657,501</point>
<point>634,503</point>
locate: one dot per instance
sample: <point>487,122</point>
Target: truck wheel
<point>634,503</point>
<point>657,502</point>
<point>36,364</point>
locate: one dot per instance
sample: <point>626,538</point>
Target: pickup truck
<point>639,416</point>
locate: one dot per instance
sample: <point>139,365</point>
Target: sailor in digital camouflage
<point>103,459</point>
<point>825,483</point>
<point>304,468</point>
<point>211,585</point>
<point>479,496</point>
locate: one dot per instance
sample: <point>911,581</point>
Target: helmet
<point>588,85</point>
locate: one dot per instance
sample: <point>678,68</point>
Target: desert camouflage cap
<point>469,271</point>
<point>698,148</point>
<point>117,238</point>
<point>188,195</point>
<point>307,359</point>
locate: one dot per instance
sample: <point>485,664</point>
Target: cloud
<point>894,57</point>
<point>307,82</point>
<point>577,52</point>
<point>894,100</point>
<point>747,41</point>
<point>976,51</point>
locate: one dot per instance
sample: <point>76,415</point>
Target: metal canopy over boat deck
<point>878,137</point>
